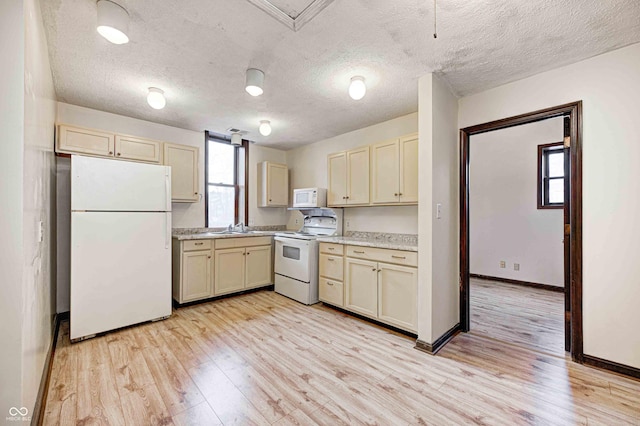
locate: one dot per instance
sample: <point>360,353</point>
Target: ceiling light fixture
<point>236,139</point>
<point>113,22</point>
<point>357,88</point>
<point>265,127</point>
<point>254,82</point>
<point>155,98</point>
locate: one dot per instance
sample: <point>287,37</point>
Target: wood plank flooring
<point>525,316</point>
<point>263,359</point>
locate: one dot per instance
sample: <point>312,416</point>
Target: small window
<point>225,182</point>
<point>551,176</point>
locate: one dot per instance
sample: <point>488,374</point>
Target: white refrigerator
<point>120,244</point>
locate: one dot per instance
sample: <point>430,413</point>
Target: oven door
<point>293,258</point>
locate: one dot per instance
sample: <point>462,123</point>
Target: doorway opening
<point>571,208</point>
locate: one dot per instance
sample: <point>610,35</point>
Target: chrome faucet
<point>241,225</point>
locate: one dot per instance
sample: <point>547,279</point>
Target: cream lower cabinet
<point>207,268</point>
<point>361,287</point>
<point>378,283</point>
<point>331,271</point>
<point>230,270</point>
<point>192,270</point>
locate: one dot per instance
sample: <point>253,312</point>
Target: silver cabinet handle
<point>374,269</point>
<point>331,248</point>
<point>330,259</point>
<point>329,283</point>
<point>199,244</point>
<point>398,257</point>
<point>359,252</point>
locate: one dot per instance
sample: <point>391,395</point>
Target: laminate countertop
<point>379,241</point>
<point>219,235</point>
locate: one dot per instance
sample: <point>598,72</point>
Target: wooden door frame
<point>573,211</point>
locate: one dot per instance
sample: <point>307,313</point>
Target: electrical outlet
<point>516,266</point>
<point>297,221</point>
<point>348,224</point>
<point>438,211</point>
<point>503,264</point>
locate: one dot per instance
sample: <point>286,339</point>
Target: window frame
<point>210,136</point>
<point>543,175</point>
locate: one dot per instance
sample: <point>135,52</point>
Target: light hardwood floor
<point>264,359</point>
<point>526,316</point>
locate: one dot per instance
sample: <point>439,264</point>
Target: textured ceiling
<point>198,51</point>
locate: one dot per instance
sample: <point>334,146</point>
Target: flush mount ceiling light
<point>265,127</point>
<point>113,22</point>
<point>357,88</point>
<point>236,139</point>
<point>254,82</point>
<point>155,98</point>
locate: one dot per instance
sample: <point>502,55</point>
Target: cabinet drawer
<point>331,292</point>
<point>191,245</point>
<point>331,248</point>
<point>331,267</point>
<point>223,243</point>
<point>399,257</point>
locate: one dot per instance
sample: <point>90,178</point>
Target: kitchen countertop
<point>216,235</point>
<point>372,241</point>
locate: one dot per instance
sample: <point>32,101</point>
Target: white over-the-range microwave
<point>309,197</point>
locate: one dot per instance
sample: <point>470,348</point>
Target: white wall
<point>38,204</point>
<point>608,85</point>
<point>308,168</point>
<point>505,222</point>
<point>27,111</point>
<point>11,169</point>
<point>438,247</point>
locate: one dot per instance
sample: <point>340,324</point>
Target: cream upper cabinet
<point>358,176</point>
<point>394,171</point>
<point>348,175</point>
<point>273,184</point>
<point>397,296</point>
<point>409,168</point>
<point>385,172</point>
<point>258,266</point>
<point>183,160</point>
<point>76,140</point>
<point>361,287</point>
<point>196,275</point>
<point>229,270</point>
<point>337,179</point>
<point>138,149</point>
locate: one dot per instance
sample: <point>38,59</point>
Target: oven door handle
<point>292,241</point>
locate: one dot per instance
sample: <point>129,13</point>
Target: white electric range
<point>296,254</point>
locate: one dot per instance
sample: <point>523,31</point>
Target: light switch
<point>438,211</point>
<point>516,266</point>
<point>40,231</point>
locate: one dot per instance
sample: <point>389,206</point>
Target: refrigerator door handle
<point>167,238</point>
<point>167,187</point>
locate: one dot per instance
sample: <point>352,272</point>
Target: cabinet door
<point>397,296</point>
<point>277,185</point>
<point>409,169</point>
<point>358,176</point>
<point>385,172</point>
<point>331,292</point>
<point>337,176</point>
<point>183,160</point>
<point>138,149</point>
<point>85,141</point>
<point>229,270</point>
<point>196,275</point>
<point>258,266</point>
<point>361,287</point>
